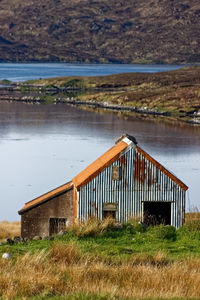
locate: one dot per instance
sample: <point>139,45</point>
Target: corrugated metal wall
<point>140,181</point>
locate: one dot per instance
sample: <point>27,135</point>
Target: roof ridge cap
<point>127,141</point>
<point>126,137</point>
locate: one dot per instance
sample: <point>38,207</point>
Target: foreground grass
<point>64,270</point>
<point>92,296</point>
<point>96,260</point>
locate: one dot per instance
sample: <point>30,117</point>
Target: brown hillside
<point>100,30</point>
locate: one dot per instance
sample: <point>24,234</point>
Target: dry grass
<point>61,253</point>
<point>192,217</point>
<point>192,221</point>
<point>91,227</point>
<point>64,270</point>
<point>9,229</point>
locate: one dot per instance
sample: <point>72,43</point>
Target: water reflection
<point>43,146</point>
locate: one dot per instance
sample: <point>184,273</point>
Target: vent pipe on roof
<point>125,135</point>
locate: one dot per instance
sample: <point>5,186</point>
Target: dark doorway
<point>56,225</point>
<point>156,213</point>
<point>109,214</point>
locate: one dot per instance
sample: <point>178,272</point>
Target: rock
<point>9,241</point>
<point>36,238</point>
<point>6,255</point>
<point>143,224</point>
<point>26,240</point>
<point>62,232</point>
<point>17,239</point>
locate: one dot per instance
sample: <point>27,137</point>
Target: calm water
<point>42,147</point>
<point>21,72</point>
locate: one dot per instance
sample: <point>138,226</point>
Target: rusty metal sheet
<point>141,180</point>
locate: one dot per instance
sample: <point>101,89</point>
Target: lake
<point>44,146</point>
<point>22,72</point>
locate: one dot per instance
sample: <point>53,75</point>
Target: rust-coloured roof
<point>108,158</point>
<point>163,169</point>
<point>99,164</point>
<point>46,196</point>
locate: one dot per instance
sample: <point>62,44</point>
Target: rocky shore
<point>172,95</point>
<point>55,95</point>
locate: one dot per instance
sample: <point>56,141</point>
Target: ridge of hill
<point>126,31</point>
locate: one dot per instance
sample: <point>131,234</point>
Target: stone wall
<point>36,220</point>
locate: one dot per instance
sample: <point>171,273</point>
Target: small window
<point>116,173</point>
<point>109,214</point>
<point>56,225</point>
<point>109,210</point>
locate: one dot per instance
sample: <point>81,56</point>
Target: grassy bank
<point>99,260</point>
<point>175,93</point>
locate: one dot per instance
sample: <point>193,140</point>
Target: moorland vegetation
<point>99,260</point>
<point>139,31</point>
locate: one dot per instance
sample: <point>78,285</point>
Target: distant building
<point>124,183</point>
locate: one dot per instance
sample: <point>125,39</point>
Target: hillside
<point>140,31</point>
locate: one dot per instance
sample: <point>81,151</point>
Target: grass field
<point>98,261</point>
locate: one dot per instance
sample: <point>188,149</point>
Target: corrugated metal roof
<point>112,155</point>
<point>46,196</point>
<point>99,164</point>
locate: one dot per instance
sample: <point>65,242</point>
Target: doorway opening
<point>156,213</point>
<point>56,225</point>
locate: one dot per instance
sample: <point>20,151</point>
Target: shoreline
<point>171,94</point>
<point>36,100</point>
